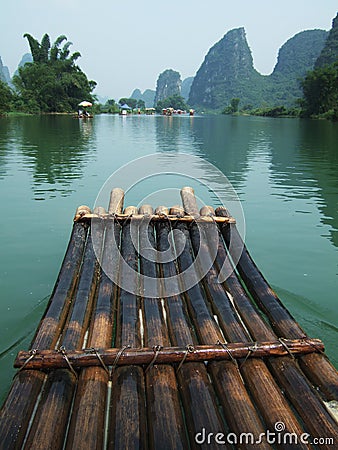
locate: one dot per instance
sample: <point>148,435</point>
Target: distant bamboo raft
<point>108,368</point>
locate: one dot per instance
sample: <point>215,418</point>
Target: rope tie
<point>250,352</point>
<point>157,349</point>
<point>32,354</point>
<point>189,349</point>
<point>62,350</point>
<point>224,345</point>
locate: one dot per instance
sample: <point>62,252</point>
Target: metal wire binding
<point>32,354</point>
<point>118,356</point>
<point>251,350</point>
<point>62,350</point>
<point>282,341</point>
<point>189,349</point>
<point>93,350</point>
<point>157,349</point>
<point>224,345</point>
<point>319,350</point>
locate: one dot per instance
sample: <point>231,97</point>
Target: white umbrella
<point>85,104</point>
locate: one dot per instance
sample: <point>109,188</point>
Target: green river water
<point>285,172</point>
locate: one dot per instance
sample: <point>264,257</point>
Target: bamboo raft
<point>109,368</point>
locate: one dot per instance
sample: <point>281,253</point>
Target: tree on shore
<point>52,82</point>
<point>175,101</point>
<point>320,90</point>
<point>6,97</point>
<point>233,107</point>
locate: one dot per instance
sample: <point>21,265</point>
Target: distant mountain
<point>27,57</point>
<point>185,88</point>
<point>168,84</point>
<point>228,72</point>
<point>329,53</point>
<point>295,58</point>
<point>299,54</point>
<point>4,73</point>
<point>148,96</point>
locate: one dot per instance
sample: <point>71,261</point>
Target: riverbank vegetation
<point>319,101</point>
<point>175,101</point>
<point>53,82</point>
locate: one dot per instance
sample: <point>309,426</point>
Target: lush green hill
<point>4,73</point>
<point>228,72</point>
<point>320,86</point>
<point>329,53</point>
<point>147,96</point>
<point>295,58</point>
<point>168,84</point>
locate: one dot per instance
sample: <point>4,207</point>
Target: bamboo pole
<point>233,328</point>
<point>19,405</point>
<point>116,201</point>
<point>241,415</point>
<point>195,386</point>
<point>237,297</point>
<point>189,201</point>
<point>238,408</point>
<point>18,408</point>
<point>90,403</point>
<point>219,301</point>
<point>127,423</point>
<point>298,390</point>
<point>51,419</point>
<point>281,320</point>
<point>317,367</point>
<point>165,421</point>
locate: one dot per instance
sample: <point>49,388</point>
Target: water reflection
<point>5,145</point>
<point>304,165</point>
<point>55,150</point>
<point>299,158</point>
<point>224,141</point>
<point>175,134</point>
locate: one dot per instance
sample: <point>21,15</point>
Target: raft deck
<point>190,367</point>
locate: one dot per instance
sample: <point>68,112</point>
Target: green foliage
<point>320,89</point>
<point>175,101</point>
<point>52,82</point>
<point>110,107</point>
<point>141,104</point>
<point>276,111</point>
<point>233,107</point>
<point>6,97</point>
<point>132,102</point>
<point>329,54</point>
<point>228,72</point>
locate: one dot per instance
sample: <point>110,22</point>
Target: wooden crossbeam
<point>51,359</point>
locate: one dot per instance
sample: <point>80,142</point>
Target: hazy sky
<point>126,44</point>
